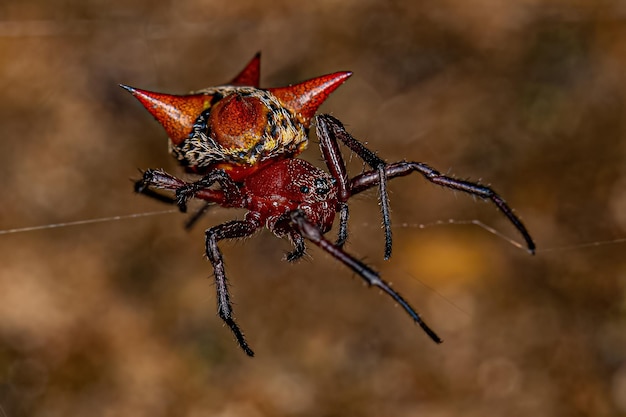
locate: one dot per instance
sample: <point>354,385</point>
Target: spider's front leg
<point>370,179</point>
<point>231,230</point>
<point>308,230</point>
<point>329,131</point>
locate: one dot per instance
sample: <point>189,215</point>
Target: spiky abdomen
<point>243,126</point>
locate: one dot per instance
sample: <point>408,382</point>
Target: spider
<point>244,140</point>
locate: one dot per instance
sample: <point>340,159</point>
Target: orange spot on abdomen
<point>238,122</point>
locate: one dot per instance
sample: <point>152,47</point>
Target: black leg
<point>371,277</point>
<point>344,213</point>
<point>228,186</point>
<point>299,247</point>
<point>159,180</point>
<point>193,219</point>
<point>329,131</point>
<point>370,179</point>
<point>139,188</point>
<point>332,156</point>
<point>230,230</point>
<point>384,207</point>
<point>162,180</point>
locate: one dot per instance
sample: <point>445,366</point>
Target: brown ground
<point>117,319</point>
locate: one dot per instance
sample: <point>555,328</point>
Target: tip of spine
<point>127,88</point>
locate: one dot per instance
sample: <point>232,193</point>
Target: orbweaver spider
<point>245,140</point>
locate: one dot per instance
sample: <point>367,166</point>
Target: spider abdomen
<point>239,127</point>
<point>244,126</point>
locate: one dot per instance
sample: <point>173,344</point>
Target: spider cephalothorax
<point>245,139</point>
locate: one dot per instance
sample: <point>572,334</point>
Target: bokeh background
<point>118,318</point>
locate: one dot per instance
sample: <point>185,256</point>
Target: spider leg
<point>141,189</point>
<point>399,169</point>
<point>337,168</point>
<point>344,213</point>
<point>329,130</point>
<point>189,190</point>
<point>299,247</point>
<point>193,219</point>
<point>162,180</point>
<point>231,230</point>
<point>371,277</point>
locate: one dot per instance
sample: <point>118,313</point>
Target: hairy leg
<point>342,236</point>
<point>371,277</point>
<point>229,188</point>
<point>161,180</point>
<point>329,132</point>
<point>370,179</point>
<point>230,230</point>
<point>299,247</point>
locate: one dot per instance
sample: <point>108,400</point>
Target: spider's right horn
<point>303,99</point>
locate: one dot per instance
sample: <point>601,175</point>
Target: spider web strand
<point>510,240</point>
<point>87,221</point>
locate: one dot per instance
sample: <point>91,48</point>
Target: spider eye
<point>321,186</point>
<point>304,189</point>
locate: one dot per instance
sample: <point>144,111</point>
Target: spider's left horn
<point>176,114</point>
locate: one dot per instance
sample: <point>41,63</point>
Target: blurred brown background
<point>118,318</point>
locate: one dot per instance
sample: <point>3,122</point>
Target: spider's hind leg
<point>161,180</point>
<point>193,219</point>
